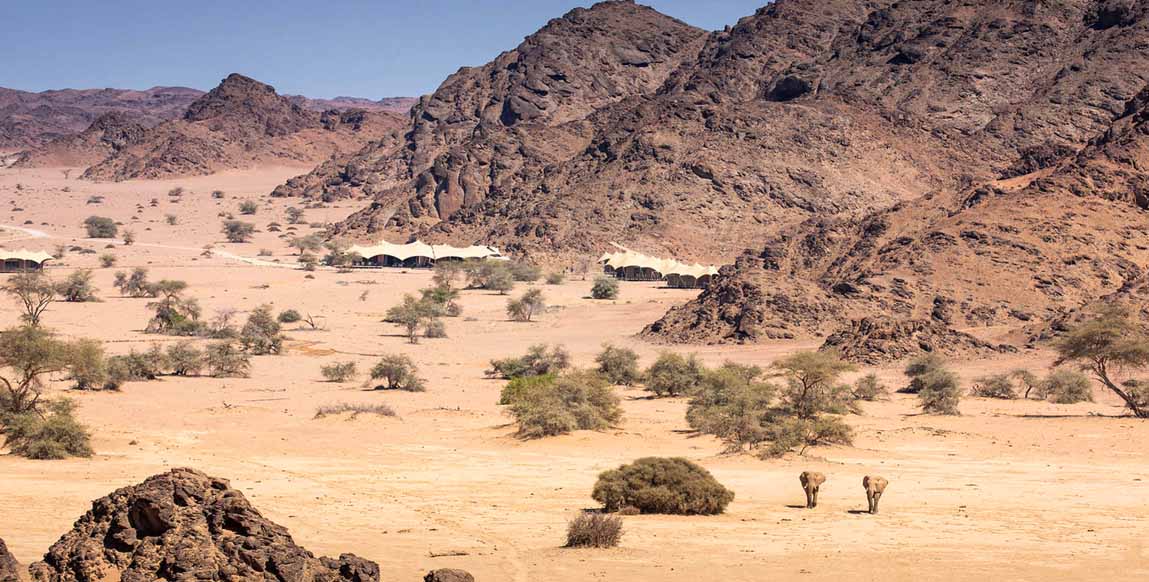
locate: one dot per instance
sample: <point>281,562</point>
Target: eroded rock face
<point>185,525</point>
<point>448,575</point>
<point>879,340</point>
<point>10,570</point>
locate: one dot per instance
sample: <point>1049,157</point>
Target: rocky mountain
<point>240,123</point>
<point>30,120</point>
<point>806,108</point>
<point>185,525</point>
<point>1030,250</point>
<point>108,134</point>
<point>398,105</point>
<point>10,570</point>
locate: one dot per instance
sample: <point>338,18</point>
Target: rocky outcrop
<point>242,123</point>
<point>108,134</point>
<point>448,575</point>
<point>185,525</point>
<point>10,570</point>
<point>878,340</point>
<point>32,120</point>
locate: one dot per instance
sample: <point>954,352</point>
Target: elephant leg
<point>809,498</point>
<point>877,498</point>
<point>870,500</point>
<point>815,504</point>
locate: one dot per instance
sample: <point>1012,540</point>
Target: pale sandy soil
<point>1007,491</point>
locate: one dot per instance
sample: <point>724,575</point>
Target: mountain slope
<point>242,122</point>
<point>29,120</point>
<point>1035,248</point>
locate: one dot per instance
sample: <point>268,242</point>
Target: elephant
<point>811,482</point>
<point>874,487</point>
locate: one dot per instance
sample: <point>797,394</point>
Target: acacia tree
<point>27,355</point>
<point>34,292</point>
<point>1108,345</point>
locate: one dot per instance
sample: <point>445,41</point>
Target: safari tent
<point>417,254</point>
<point>22,260</point>
<point>631,266</point>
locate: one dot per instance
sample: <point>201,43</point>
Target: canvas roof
<point>25,255</point>
<point>628,258</point>
<point>421,249</point>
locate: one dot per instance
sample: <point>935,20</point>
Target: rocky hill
<point>398,105</point>
<point>108,134</point>
<point>1028,251</point>
<point>185,525</point>
<point>30,120</point>
<point>10,570</point>
<point>240,123</point>
<point>806,108</point>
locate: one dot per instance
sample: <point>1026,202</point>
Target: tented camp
<point>417,254</point>
<point>22,260</point>
<point>631,266</point>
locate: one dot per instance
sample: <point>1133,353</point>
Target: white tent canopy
<point>403,252</point>
<point>667,267</point>
<point>25,255</point>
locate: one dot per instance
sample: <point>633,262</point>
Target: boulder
<point>448,575</point>
<point>9,567</point>
<point>185,525</point>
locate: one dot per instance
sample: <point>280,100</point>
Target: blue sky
<point>316,48</point>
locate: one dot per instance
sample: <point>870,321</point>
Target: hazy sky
<point>317,48</point>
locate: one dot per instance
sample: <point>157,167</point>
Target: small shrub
<point>524,272</point>
<point>354,409</point>
<point>869,388</point>
<point>517,387</point>
<point>248,207</point>
<point>618,365</point>
<point>1066,387</point>
<point>135,367</point>
<point>662,485</point>
<point>939,393</point>
<point>919,367</point>
<point>594,530</point>
<point>89,366</point>
<point>185,359</point>
<point>576,401</point>
<point>261,335</point>
<point>237,231</point>
<point>225,360</point>
<point>525,307</point>
<point>55,434</point>
<point>129,238</point>
<point>604,288</point>
<point>176,192</point>
<point>294,215</point>
<point>217,194</point>
<point>556,278</point>
<point>339,372</point>
<point>674,375</point>
<point>540,359</point>
<point>489,274</point>
<point>107,260</point>
<point>101,227</point>
<point>998,386</point>
<point>397,372</point>
<point>435,329</point>
<point>171,219</point>
<point>77,287</point>
<point>289,316</point>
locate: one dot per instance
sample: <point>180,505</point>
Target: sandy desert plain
<point>1009,490</point>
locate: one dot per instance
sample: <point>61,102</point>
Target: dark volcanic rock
<point>10,570</point>
<point>184,525</point>
<point>448,575</point>
<point>881,340</point>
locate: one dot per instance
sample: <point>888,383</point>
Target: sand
<point>1007,491</point>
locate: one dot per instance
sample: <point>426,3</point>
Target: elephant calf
<point>874,487</point>
<point>811,482</point>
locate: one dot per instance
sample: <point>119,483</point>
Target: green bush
<point>55,434</point>
<point>435,328</point>
<point>107,260</point>
<point>339,372</point>
<point>673,374</point>
<point>261,335</point>
<point>662,485</point>
<point>525,272</point>
<point>89,366</point>
<point>618,365</point>
<point>489,274</point>
<point>731,403</point>
<point>519,386</point>
<point>869,388</point>
<point>524,308</point>
<point>919,367</point>
<point>576,401</point>
<point>604,288</point>
<point>397,372</point>
<point>556,278</point>
<point>136,367</point>
<point>998,386</point>
<point>289,316</point>
<point>248,207</point>
<point>594,530</point>
<point>101,227</point>
<point>1066,387</point>
<point>226,360</point>
<point>185,359</point>
<point>77,287</point>
<point>939,393</point>
<point>540,359</point>
<point>237,231</point>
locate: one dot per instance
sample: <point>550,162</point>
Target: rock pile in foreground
<point>9,568</point>
<point>185,525</point>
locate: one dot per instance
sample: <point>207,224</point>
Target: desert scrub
<point>575,401</point>
<point>339,372</point>
<point>52,433</point>
<point>591,529</point>
<point>354,409</point>
<point>673,374</point>
<point>618,365</point>
<point>662,485</point>
<point>1065,387</point>
<point>396,372</point>
<point>540,359</point>
<point>604,288</point>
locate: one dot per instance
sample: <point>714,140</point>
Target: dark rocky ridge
<point>10,570</point>
<point>108,134</point>
<point>184,525</point>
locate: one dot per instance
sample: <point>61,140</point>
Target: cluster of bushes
<point>539,360</point>
<point>101,227</point>
<point>551,404</point>
<point>396,372</point>
<point>936,385</point>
